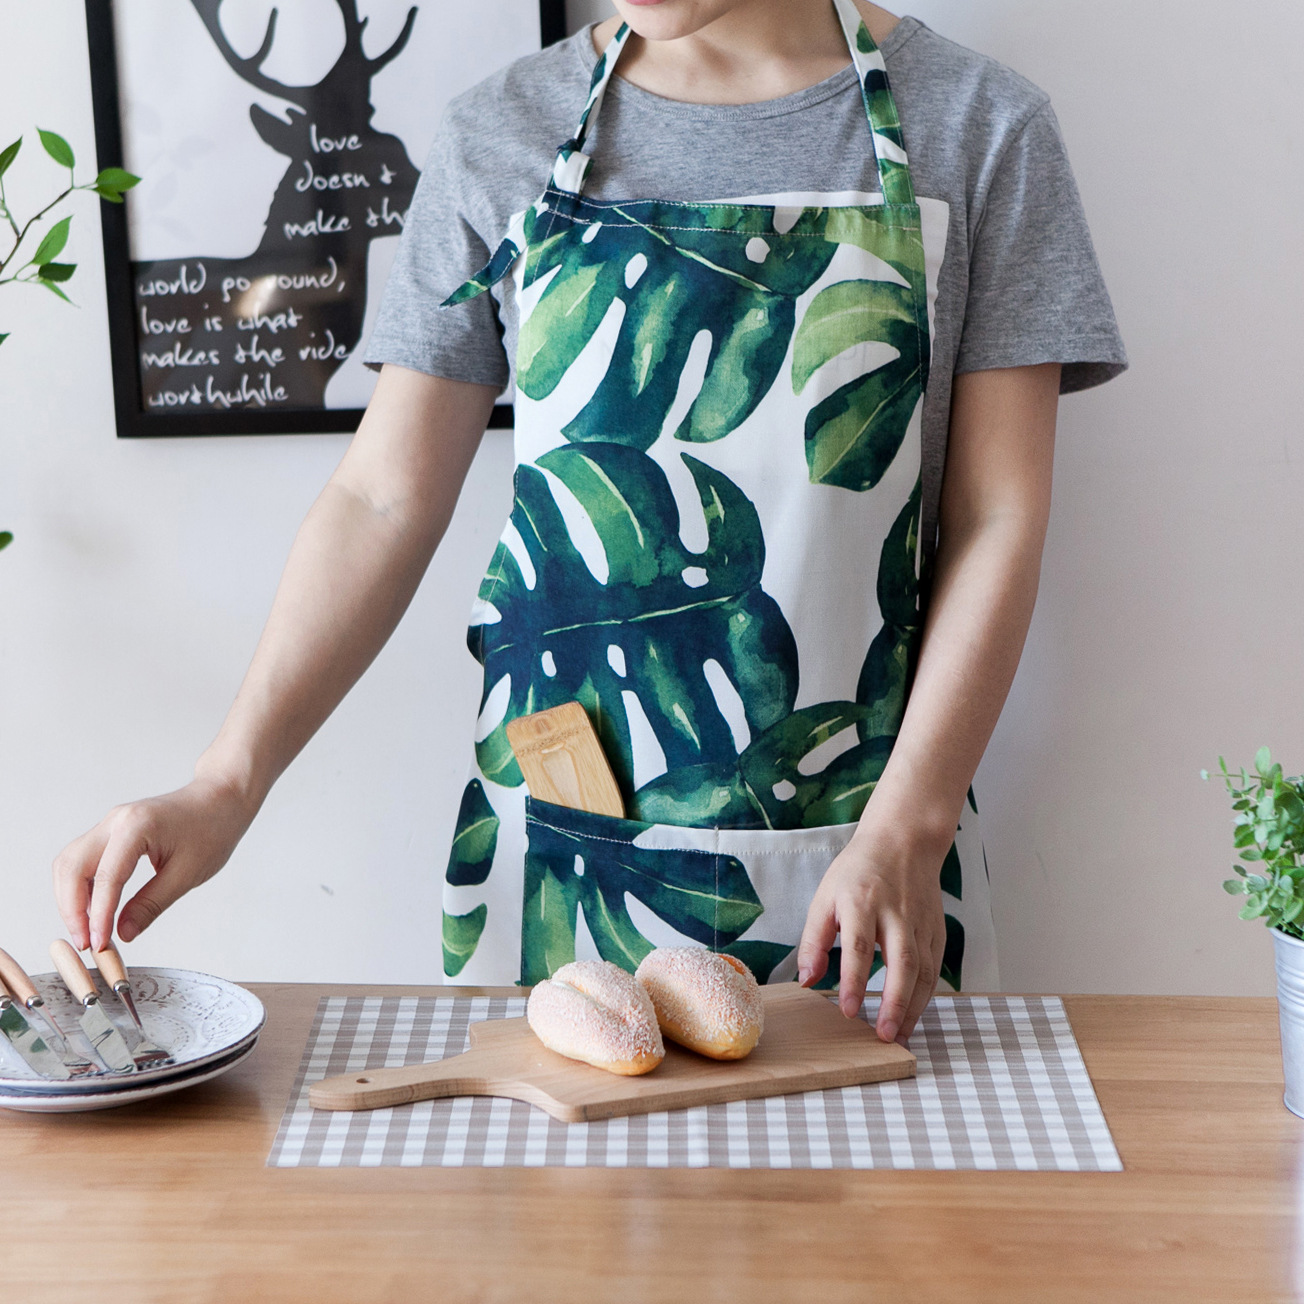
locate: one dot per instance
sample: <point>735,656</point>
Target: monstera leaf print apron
<point>714,546</point>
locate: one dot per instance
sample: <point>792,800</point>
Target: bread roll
<point>710,1003</point>
<point>592,1010</point>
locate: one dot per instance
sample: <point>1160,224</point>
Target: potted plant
<point>32,253</point>
<point>1269,821</point>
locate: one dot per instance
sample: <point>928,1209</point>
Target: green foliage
<point>704,280</point>
<point>57,148</point>
<point>41,268</point>
<point>853,434</point>
<point>1269,821</point>
<point>461,936</point>
<point>556,635</point>
<point>5,539</point>
<point>476,839</point>
<point>704,896</point>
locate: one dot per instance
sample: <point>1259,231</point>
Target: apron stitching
<point>662,226</point>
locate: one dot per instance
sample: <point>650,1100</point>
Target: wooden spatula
<point>563,761</point>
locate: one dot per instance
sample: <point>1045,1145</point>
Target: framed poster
<point>279,142</point>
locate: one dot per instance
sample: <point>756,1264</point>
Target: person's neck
<point>760,50</point>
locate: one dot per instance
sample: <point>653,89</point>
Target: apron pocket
<point>601,887</point>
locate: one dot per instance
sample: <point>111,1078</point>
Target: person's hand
<point>881,889</point>
<point>187,835</point>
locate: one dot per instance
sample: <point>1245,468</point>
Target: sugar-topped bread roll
<point>592,1010</point>
<point>710,1003</point>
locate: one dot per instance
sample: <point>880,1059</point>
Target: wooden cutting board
<point>807,1045</point>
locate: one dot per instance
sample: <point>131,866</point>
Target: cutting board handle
<point>459,1075</point>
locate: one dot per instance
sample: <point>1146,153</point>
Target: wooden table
<point>169,1202</point>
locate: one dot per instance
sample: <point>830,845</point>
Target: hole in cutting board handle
<point>362,1081</point>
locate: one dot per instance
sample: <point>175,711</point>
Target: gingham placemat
<point>1001,1084</point>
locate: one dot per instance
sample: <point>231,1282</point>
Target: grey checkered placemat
<point>1001,1085</point>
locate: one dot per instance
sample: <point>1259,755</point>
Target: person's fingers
<point>128,842</point>
<point>816,938</point>
<point>901,956</point>
<point>925,985</point>
<point>73,870</point>
<point>858,933</point>
<point>166,888</point>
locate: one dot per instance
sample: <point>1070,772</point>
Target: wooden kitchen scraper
<point>563,761</point>
<point>808,1045</point>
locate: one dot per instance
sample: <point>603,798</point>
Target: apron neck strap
<point>571,169</point>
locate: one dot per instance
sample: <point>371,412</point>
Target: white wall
<point>1168,629</point>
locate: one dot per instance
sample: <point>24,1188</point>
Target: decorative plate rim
<point>45,1102</point>
<point>30,1084</point>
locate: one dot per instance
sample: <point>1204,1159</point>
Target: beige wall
<point>1169,627</point>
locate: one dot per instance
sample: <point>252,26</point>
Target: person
<point>787,323</point>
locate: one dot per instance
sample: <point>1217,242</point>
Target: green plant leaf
<point>6,537</point>
<point>704,896</point>
<point>4,337</point>
<point>1234,887</point>
<point>1262,760</point>
<point>8,154</point>
<point>475,840</point>
<point>1293,911</point>
<point>705,280</point>
<point>952,879</point>
<point>54,289</point>
<point>53,242</point>
<point>853,434</point>
<point>115,179</point>
<point>57,271</point>
<point>953,953</point>
<point>571,636</point>
<point>835,794</point>
<point>57,148</point>
<point>461,937</point>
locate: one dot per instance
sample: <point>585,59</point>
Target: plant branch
<point>22,235</point>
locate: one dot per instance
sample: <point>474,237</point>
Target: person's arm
<point>884,886</point>
<point>354,566</point>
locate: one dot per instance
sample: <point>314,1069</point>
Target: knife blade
<point>146,1054</point>
<point>14,979</point>
<point>106,1041</point>
<point>24,1039</point>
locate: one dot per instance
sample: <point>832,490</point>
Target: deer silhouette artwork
<point>269,331</point>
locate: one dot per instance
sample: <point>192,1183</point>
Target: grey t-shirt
<point>1019,282</point>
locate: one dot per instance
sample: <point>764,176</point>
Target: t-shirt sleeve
<point>1036,293</point>
<point>440,249</point>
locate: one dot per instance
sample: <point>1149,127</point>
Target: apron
<point>714,546</point>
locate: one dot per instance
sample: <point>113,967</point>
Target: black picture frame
<point>133,420</point>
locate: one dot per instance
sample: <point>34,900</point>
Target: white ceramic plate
<point>199,1018</point>
<point>45,1102</point>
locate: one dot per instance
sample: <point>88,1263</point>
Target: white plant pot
<point>1290,1008</point>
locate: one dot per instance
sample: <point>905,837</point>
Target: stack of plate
<point>208,1024</point>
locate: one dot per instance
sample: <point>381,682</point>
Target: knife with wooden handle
<point>22,988</point>
<point>147,1055</point>
<point>106,1041</point>
<point>27,1041</point>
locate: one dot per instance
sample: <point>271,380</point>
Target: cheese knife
<point>147,1055</point>
<point>22,988</point>
<point>106,1041</point>
<point>27,1042</point>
